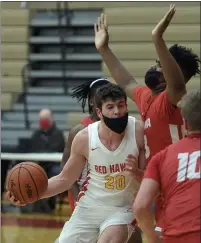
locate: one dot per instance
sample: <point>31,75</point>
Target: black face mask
<point>152,79</point>
<point>118,124</point>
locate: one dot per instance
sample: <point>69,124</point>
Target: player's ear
<point>91,102</point>
<point>99,113</point>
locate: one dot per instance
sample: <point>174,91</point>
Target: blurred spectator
<point>47,139</point>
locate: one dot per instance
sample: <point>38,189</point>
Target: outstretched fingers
<point>95,28</point>
<point>171,12</point>
<point>102,23</point>
<point>99,23</point>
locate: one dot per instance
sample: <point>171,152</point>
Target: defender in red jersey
<point>175,172</point>
<point>82,93</point>
<point>165,85</point>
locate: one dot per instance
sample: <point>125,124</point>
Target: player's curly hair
<point>86,91</point>
<point>186,59</point>
<point>109,91</point>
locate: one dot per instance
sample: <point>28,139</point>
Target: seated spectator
<point>47,139</point>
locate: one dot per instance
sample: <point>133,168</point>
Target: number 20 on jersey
<point>115,182</point>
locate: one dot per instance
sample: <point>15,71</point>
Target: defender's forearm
<point>120,74</point>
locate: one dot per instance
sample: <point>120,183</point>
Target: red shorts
<point>188,238</point>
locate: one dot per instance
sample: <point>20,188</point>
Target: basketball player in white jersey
<point>109,146</point>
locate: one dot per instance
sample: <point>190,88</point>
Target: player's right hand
<point>13,200</point>
<point>101,33</point>
<point>163,23</point>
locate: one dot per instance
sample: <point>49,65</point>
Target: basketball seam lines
<point>33,181</point>
<point>24,163</point>
<point>11,175</point>
<point>19,185</point>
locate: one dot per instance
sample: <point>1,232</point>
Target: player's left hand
<point>131,163</point>
<point>163,23</point>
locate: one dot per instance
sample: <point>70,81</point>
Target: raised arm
<point>171,71</point>
<point>120,74</point>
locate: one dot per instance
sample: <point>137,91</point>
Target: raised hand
<point>101,33</point>
<point>13,200</point>
<point>163,23</point>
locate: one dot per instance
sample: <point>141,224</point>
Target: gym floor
<point>33,228</point>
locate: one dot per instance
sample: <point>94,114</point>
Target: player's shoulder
<point>141,88</point>
<point>161,155</point>
<point>82,135</point>
<point>182,144</point>
<point>172,148</point>
<point>140,94</point>
<point>164,108</point>
<point>83,132</point>
<point>77,128</point>
<point>162,98</point>
<point>80,141</point>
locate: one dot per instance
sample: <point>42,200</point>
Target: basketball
<point>27,181</point>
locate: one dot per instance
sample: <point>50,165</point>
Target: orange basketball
<point>27,181</point>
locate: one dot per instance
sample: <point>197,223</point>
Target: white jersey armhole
<point>132,133</point>
<point>92,137</point>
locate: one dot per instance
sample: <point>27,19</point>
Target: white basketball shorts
<point>86,224</point>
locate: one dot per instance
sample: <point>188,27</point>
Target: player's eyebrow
<point>110,104</point>
<point>121,102</point>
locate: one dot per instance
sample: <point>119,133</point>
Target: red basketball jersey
<point>177,170</point>
<point>86,121</point>
<point>163,121</point>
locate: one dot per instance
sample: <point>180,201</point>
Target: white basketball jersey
<point>107,183</point>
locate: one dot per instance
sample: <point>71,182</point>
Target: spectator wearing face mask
<point>48,139</point>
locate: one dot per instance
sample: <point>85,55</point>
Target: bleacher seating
<point>81,60</point>
<point>14,53</point>
<point>130,39</point>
